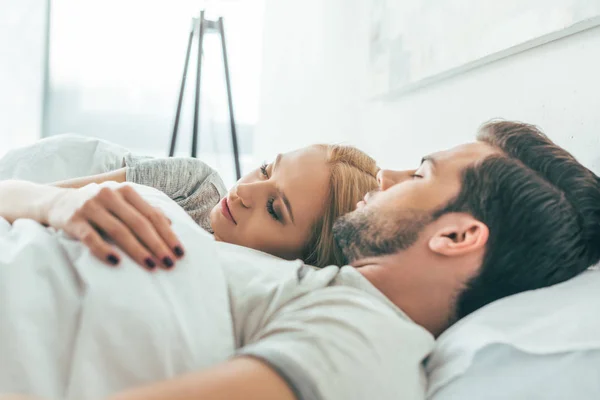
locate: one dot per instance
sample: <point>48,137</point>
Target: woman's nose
<point>244,194</point>
<point>387,178</point>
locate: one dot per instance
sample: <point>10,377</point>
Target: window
<point>115,70</point>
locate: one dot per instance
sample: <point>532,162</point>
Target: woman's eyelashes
<point>416,176</point>
<point>271,209</point>
<point>263,169</point>
<point>270,203</point>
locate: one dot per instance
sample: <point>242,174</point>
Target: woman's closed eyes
<point>271,209</point>
<point>270,203</point>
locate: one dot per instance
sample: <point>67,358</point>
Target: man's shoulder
<point>351,277</point>
<point>264,278</point>
<point>251,271</point>
<point>327,335</point>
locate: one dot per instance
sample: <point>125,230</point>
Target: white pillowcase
<point>61,157</point>
<point>500,372</point>
<point>552,329</point>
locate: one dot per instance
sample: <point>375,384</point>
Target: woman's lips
<point>226,211</point>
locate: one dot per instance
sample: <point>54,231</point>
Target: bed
<point>542,344</point>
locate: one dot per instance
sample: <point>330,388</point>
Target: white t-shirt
<point>73,328</point>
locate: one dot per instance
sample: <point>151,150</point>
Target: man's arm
<point>242,378</point>
<point>306,342</point>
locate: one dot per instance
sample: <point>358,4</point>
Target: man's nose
<point>387,178</point>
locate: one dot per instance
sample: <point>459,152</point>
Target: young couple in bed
<point>507,213</point>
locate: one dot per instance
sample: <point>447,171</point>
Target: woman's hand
<point>121,215</point>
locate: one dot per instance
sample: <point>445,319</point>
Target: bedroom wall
<point>311,75</point>
<point>315,79</point>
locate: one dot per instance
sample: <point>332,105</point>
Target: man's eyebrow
<point>286,201</point>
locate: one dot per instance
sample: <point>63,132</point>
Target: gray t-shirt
<point>329,333</point>
<point>191,183</point>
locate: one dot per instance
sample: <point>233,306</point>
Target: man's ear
<point>458,234</point>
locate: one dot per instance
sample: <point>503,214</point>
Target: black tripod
<point>203,26</point>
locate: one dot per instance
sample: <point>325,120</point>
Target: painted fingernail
<point>168,262</point>
<point>178,251</point>
<point>112,259</point>
<point>150,263</point>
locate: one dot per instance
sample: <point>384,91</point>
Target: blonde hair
<point>353,174</point>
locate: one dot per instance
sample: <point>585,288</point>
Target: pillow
<point>500,372</point>
<point>61,157</point>
<point>517,347</point>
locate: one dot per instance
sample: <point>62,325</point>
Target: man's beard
<point>370,233</point>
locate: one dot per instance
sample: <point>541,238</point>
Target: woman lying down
<point>285,208</point>
<point>73,328</point>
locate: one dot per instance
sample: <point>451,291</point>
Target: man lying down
<point>507,213</point>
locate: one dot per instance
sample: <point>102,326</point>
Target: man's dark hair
<point>542,208</point>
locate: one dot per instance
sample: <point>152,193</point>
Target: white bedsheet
<point>59,308</point>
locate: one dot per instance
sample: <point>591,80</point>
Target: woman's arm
<point>22,199</point>
<point>191,183</point>
<point>135,226</point>
<point>116,176</point>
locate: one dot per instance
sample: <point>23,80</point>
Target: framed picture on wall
<point>417,42</point>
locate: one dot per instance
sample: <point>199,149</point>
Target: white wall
<point>22,46</point>
<point>322,96</point>
<point>309,87</point>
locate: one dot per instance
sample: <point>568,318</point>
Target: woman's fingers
<point>123,237</point>
<point>84,232</point>
<point>134,230</point>
<point>160,222</point>
<point>140,230</point>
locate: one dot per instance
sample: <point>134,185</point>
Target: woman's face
<point>274,207</point>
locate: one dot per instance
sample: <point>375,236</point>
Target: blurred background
<point>112,69</point>
<point>301,72</point>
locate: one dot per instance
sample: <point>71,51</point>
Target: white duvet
<point>72,327</point>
